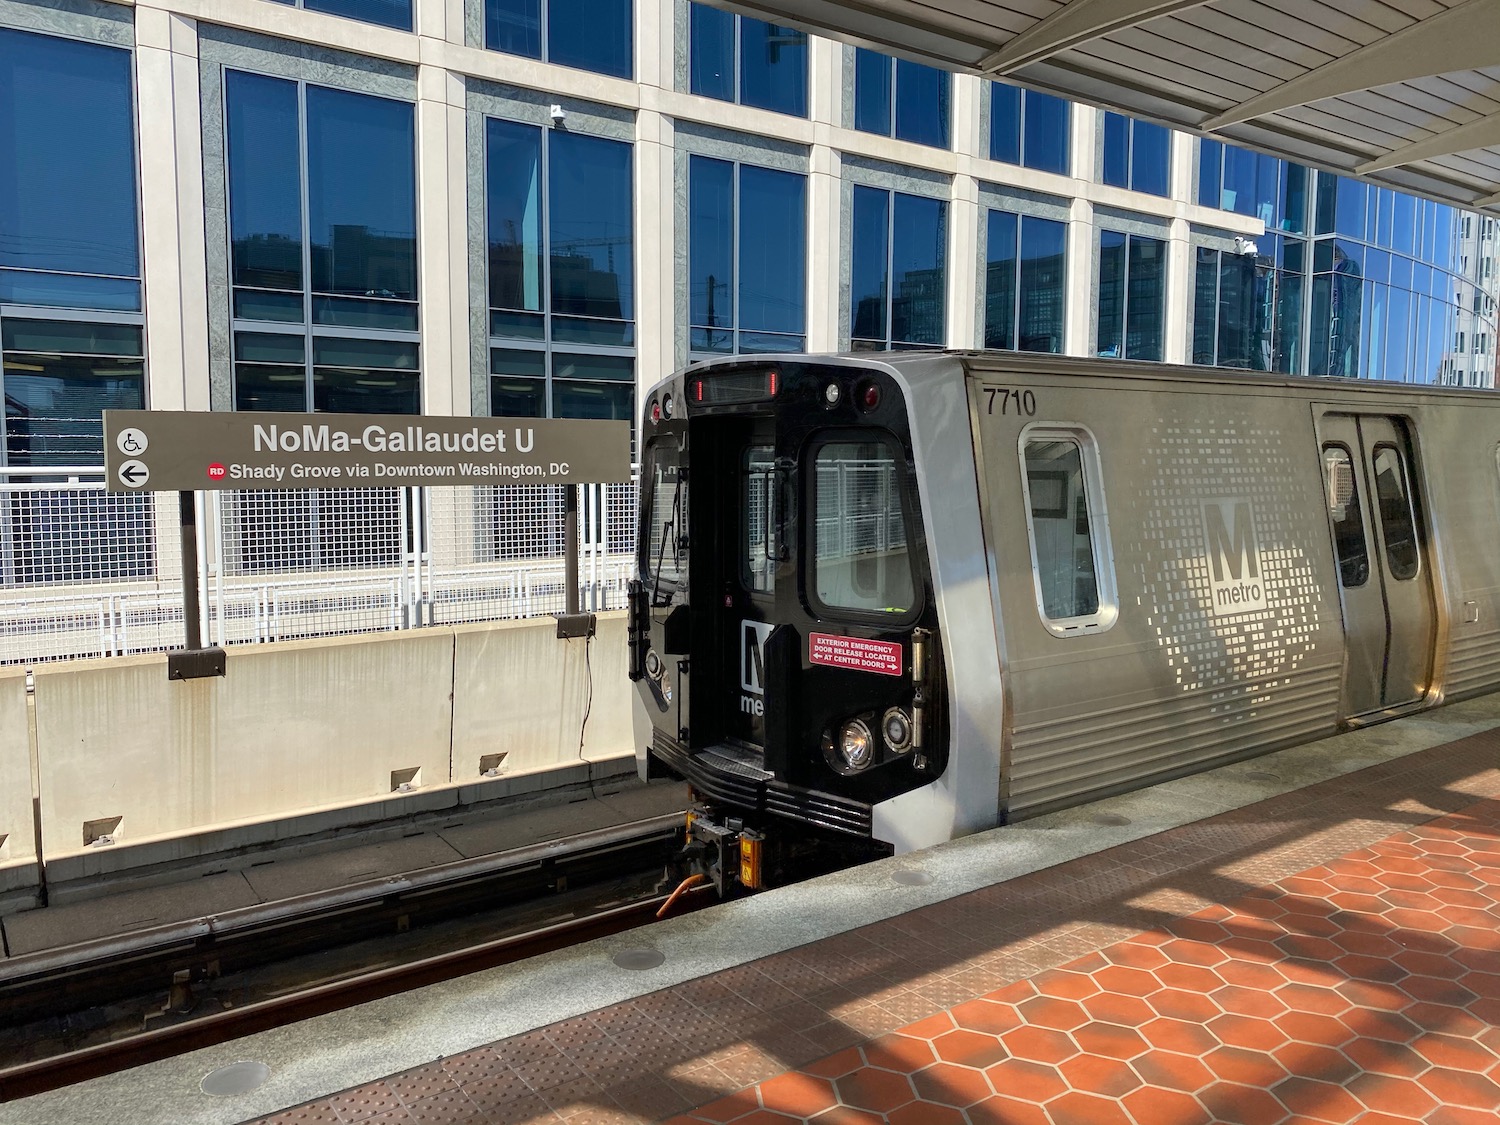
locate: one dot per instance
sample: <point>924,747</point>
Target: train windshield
<point>861,562</point>
<point>664,561</point>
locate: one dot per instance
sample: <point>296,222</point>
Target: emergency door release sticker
<point>857,653</point>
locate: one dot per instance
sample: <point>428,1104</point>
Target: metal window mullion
<point>1015,316</point>
<point>544,199</point>
<point>735,63</point>
<point>1020,158</point>
<point>91,316</point>
<point>890,249</point>
<point>1218,299</point>
<point>302,168</point>
<point>734,247</point>
<point>892,88</point>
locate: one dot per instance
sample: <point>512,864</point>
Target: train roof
<point>921,366</point>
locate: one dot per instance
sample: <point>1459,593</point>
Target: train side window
<point>1345,513</point>
<point>665,558</point>
<point>861,561</point>
<point>759,505</point>
<point>1065,520</point>
<point>1398,523</point>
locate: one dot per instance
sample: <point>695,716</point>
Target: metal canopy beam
<point>1461,38</point>
<point>1076,23</point>
<point>1463,138</point>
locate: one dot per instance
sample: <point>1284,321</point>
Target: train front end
<point>783,632</point>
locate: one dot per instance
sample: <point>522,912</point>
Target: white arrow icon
<point>133,474</point>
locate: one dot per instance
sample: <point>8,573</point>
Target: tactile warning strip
<point>690,1045</point>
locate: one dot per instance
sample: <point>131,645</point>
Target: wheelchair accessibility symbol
<point>132,442</point>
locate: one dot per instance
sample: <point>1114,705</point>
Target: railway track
<point>586,876</point>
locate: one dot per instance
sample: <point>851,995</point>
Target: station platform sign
<point>194,451</point>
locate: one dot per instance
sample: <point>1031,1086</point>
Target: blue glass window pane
<point>773,67</point>
<point>773,251</point>
<point>919,242</point>
<point>1399,334</point>
<point>1005,124</point>
<point>513,197</point>
<point>592,35</point>
<point>1149,157</point>
<point>867,266</point>
<point>1049,132</point>
<point>593,241</point>
<point>711,52</point>
<point>67,156</point>
<point>1116,170</point>
<point>1210,168</point>
<point>1349,212</point>
<point>1111,336</point>
<point>711,249</point>
<point>921,104</point>
<point>1000,280</point>
<point>362,194</point>
<point>1044,284</point>
<point>387,13</point>
<point>514,26</point>
<point>70,291</point>
<point>1205,300</point>
<point>265,181</point>
<point>1404,232</point>
<point>1294,198</point>
<point>1145,308</point>
<point>872,91</point>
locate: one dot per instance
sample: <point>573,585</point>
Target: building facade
<point>536,207</point>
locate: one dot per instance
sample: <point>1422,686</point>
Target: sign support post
<point>194,662</point>
<point>572,623</point>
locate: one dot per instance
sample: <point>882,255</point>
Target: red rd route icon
<point>855,653</point>
<point>216,471</point>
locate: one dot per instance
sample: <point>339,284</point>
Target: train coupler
<point>724,851</point>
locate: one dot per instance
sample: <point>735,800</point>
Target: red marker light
<point>869,396</point>
<point>655,411</point>
<point>773,384</point>
<point>697,390</point>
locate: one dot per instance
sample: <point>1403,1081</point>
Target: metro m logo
<point>753,636</point>
<point>1233,557</point>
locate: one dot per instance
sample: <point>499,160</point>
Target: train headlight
<point>856,745</point>
<point>896,727</point>
<point>666,406</point>
<point>832,393</point>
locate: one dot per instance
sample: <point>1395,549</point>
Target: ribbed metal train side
<point>1180,675</point>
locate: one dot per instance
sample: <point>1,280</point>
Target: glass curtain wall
<point>1026,280</point>
<point>70,264</point>
<point>737,58</point>
<point>1132,296</point>
<point>898,270</point>
<point>387,13</point>
<point>1393,294</point>
<point>323,247</point>
<point>1030,129</point>
<point>561,253</point>
<point>747,258</point>
<point>901,99</point>
<point>1137,154</point>
<point>592,35</point>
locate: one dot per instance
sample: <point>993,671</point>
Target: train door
<point>1385,585</point>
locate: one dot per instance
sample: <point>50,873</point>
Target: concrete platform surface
<point>998,978</point>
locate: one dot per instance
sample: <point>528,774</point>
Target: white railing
<point>88,573</point>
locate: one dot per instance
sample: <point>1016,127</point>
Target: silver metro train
<point>891,599</point>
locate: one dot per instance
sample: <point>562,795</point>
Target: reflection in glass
<point>860,560</point>
<point>1398,525</point>
<point>1061,530</point>
<point>1131,296</point>
<point>366,391</point>
<point>595,35</point>
<point>386,13</point>
<point>361,226</point>
<point>514,26</point>
<point>1136,154</point>
<point>868,264</point>
<point>67,158</point>
<point>53,404</point>
<point>898,98</point>
<point>1001,267</point>
<point>711,52</point>
<point>872,91</point>
<point>1348,521</point>
<point>1024,288</point>
<point>772,252</point>
<point>1029,128</point>
<point>918,250</point>
<point>513,193</point>
<point>592,235</point>
<point>711,251</point>
<point>773,67</point>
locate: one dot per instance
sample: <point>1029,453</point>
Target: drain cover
<point>912,878</point>
<point>236,1078</point>
<point>1112,819</point>
<point>638,958</point>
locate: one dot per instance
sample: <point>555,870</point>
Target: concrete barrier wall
<point>303,725</point>
<point>522,692</point>
<point>18,850</point>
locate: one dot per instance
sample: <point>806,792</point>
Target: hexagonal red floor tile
<point>1111,1007</point>
<point>1028,1081</point>
<point>801,1095</point>
<point>1095,1075</point>
<point>899,1052</point>
<point>1242,1105</point>
<point>1178,1035</point>
<point>880,1090</point>
<point>1172,1071</point>
<point>973,1048</point>
<point>952,1085</point>
<point>1110,1040</point>
<point>1049,1011</point>
<point>1247,1031</point>
<point>1181,1004</point>
<point>1238,1064</point>
<point>1385,1094</point>
<point>1065,985</point>
<point>1077,1108</point>
<point>1152,1106</point>
<point>987,1016</point>
<point>1039,1044</point>
<point>1007,1111</point>
<point>1130,982</point>
<point>927,1113</point>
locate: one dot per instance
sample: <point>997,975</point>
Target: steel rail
<point>27,1079</point>
<point>189,936</point>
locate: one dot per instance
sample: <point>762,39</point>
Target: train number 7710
<point>1011,401</point>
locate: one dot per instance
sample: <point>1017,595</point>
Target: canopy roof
<point>1404,93</point>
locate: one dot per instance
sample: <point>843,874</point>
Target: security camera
<point>559,115</point>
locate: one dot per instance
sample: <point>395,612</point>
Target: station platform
<point>1308,936</point>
